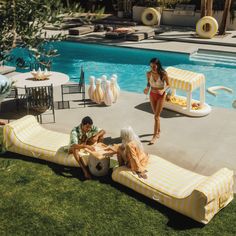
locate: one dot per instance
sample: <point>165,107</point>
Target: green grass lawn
<point>40,198</point>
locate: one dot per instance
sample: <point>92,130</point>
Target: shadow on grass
<point>65,171</point>
<point>176,220</point>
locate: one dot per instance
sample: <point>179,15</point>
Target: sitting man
<point>84,136</point>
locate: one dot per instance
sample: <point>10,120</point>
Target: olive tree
<point>21,25</point>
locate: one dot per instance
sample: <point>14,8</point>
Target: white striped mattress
<point>27,137</point>
<point>197,196</point>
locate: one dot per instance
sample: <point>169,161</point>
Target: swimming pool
<point>131,65</point>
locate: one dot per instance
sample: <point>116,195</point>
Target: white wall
<point>137,12</point>
<point>169,18</point>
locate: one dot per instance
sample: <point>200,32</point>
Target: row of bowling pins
<point>104,91</point>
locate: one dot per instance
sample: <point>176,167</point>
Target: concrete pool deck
<point>178,40</point>
<point>203,145</point>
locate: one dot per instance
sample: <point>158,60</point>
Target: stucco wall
<point>168,17</point>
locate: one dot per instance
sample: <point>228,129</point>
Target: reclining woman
<point>84,136</point>
<point>131,153</point>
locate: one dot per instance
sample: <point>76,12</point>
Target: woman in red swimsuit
<point>158,82</point>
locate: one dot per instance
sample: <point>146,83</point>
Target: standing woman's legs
<point>159,108</point>
<point>153,103</point>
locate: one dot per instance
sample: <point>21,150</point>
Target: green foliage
<point>39,198</point>
<point>22,23</point>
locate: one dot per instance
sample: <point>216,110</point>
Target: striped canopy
<point>184,79</point>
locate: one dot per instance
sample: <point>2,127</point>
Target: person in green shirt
<point>84,136</point>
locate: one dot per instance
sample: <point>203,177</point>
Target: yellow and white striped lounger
<point>186,81</point>
<point>196,196</point>
<point>27,137</point>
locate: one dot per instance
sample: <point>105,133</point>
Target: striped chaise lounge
<point>196,196</point>
<point>27,137</point>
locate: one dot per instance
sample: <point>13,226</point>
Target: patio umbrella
<point>82,75</point>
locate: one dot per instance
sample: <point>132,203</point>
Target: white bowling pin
<point>91,88</point>
<point>45,72</point>
<point>104,79</point>
<point>98,94</point>
<point>108,96</point>
<point>116,79</point>
<point>114,75</point>
<point>115,89</point>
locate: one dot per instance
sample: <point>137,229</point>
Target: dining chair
<point>16,94</point>
<point>38,100</point>
<point>74,88</point>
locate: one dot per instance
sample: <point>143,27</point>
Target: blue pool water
<point>131,65</point>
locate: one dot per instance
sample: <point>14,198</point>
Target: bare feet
<point>142,175</point>
<point>154,139</point>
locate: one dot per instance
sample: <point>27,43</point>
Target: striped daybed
<point>186,81</point>
<point>27,137</point>
<point>197,196</point>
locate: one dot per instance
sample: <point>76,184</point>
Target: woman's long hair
<point>127,135</point>
<point>161,71</point>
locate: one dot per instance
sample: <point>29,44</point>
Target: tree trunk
<point>222,27</point>
<point>203,8</point>
<point>14,24</point>
<point>68,3</point>
<point>209,7</point>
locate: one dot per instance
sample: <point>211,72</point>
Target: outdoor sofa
<point>196,196</point>
<point>27,137</point>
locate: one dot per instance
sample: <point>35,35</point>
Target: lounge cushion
<point>81,30</point>
<point>197,196</point>
<point>140,35</point>
<point>27,137</point>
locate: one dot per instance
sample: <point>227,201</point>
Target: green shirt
<point>78,137</point>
